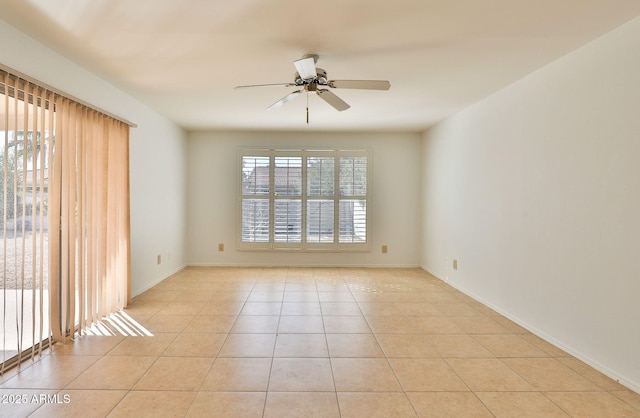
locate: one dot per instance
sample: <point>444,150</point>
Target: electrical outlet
<point>385,249</point>
<point>220,247</point>
<point>159,259</point>
<point>455,264</point>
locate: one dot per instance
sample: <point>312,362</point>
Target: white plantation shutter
<point>288,220</point>
<point>255,199</point>
<point>255,220</point>
<point>304,200</point>
<point>320,204</point>
<point>287,199</point>
<point>353,221</point>
<point>320,176</point>
<point>320,221</point>
<point>353,199</point>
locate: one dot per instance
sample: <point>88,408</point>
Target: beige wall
<point>536,192</point>
<point>395,193</point>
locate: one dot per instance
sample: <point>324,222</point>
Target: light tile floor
<point>289,342</point>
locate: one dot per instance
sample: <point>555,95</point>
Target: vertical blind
<point>65,216</point>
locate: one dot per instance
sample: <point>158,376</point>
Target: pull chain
<point>307,108</point>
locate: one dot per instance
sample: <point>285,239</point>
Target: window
<point>304,199</point>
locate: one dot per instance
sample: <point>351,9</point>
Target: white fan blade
<point>285,99</point>
<point>360,84</point>
<point>265,85</point>
<point>333,100</point>
<point>306,68</point>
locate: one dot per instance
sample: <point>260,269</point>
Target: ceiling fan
<point>311,79</point>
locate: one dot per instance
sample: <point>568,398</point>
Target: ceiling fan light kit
<point>306,66</point>
<point>312,79</point>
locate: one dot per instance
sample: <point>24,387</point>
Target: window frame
<point>303,245</point>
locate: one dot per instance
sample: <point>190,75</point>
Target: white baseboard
<point>630,384</point>
<point>149,286</point>
<point>382,266</point>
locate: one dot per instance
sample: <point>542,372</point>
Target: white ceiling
<point>184,57</point>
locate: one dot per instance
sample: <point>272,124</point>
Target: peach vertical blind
<point>88,218</point>
<point>65,215</point>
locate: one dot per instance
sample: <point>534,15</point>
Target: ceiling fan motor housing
<point>321,78</point>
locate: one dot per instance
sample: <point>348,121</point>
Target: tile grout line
<point>326,341</point>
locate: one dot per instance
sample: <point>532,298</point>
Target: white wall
<point>536,192</point>
<point>158,201</point>
<point>395,204</point>
<point>157,156</point>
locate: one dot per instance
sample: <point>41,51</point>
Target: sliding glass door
<point>25,132</point>
<point>64,217</point>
